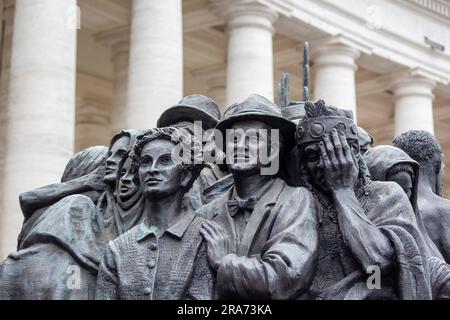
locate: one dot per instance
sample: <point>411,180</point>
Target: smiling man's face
<point>159,174</point>
<point>244,147</point>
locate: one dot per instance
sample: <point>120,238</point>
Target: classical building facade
<point>74,72</point>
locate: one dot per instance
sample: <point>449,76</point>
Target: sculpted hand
<point>340,165</point>
<point>95,179</point>
<point>217,243</point>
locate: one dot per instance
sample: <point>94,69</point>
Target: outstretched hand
<point>217,243</point>
<point>340,164</point>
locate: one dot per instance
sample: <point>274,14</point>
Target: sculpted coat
<point>277,255</point>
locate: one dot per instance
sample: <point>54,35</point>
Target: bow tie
<point>235,206</point>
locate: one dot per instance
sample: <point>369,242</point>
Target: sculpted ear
<point>186,177</point>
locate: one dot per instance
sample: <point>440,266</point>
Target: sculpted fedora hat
<point>192,108</point>
<point>257,107</point>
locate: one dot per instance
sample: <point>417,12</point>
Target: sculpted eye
<point>166,160</point>
<point>146,161</point>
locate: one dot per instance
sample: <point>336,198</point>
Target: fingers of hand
<point>337,146</point>
<point>206,235</point>
<point>329,147</point>
<point>325,158</point>
<point>211,230</point>
<point>347,152</point>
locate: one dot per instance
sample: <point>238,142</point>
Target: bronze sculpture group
<point>144,220</point>
<point>264,202</point>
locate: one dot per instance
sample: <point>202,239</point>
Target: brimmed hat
<point>257,107</point>
<point>192,108</point>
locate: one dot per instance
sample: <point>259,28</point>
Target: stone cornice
<point>437,8</point>
<point>378,42</point>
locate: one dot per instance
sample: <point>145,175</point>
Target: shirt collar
<point>178,229</point>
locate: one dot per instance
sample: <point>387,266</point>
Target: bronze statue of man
<point>164,257</point>
<point>265,244</point>
<point>425,149</point>
<point>365,226</point>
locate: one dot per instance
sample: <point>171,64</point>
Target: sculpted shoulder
<point>435,206</point>
<point>207,211</point>
<point>383,190</point>
<point>299,192</point>
<point>125,241</point>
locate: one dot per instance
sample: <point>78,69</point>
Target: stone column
<point>335,68</point>
<point>41,109</point>
<point>93,123</point>
<point>7,31</point>
<point>119,42</point>
<point>250,48</point>
<point>413,96</point>
<point>156,61</point>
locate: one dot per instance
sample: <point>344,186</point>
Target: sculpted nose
<point>153,168</point>
<point>110,161</point>
<point>320,163</point>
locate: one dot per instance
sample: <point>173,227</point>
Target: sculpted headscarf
<point>380,160</point>
<point>128,213</point>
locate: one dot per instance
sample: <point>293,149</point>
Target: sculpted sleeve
<point>107,281</point>
<point>288,259</point>
<point>202,284</point>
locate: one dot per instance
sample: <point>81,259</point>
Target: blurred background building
<point>75,72</point>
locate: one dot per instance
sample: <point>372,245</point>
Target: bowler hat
<point>257,107</point>
<point>192,108</point>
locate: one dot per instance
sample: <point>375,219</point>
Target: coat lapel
<point>222,216</point>
<point>259,215</point>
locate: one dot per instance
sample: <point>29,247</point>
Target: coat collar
<point>177,230</point>
<point>262,209</point>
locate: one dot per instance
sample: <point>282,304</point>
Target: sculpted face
<point>127,184</point>
<point>118,149</point>
<point>159,174</point>
<point>314,163</point>
<point>404,179</point>
<point>243,151</point>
